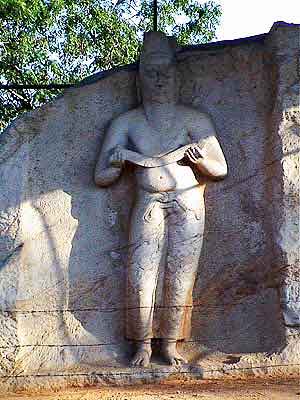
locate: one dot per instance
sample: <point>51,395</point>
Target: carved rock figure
<point>172,146</point>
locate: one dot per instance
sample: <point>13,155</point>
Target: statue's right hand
<point>116,159</point>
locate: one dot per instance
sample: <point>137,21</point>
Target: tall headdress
<point>157,48</point>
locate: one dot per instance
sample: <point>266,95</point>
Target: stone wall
<point>63,240</point>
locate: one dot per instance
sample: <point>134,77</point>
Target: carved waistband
<point>166,200</point>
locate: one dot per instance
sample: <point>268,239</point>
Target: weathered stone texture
<point>285,191</point>
<point>63,240</point>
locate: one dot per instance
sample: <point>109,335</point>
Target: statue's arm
<point>206,154</point>
<point>110,164</point>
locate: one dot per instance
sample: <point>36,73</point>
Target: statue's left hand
<point>194,153</point>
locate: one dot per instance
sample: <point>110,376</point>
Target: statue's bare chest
<point>147,140</point>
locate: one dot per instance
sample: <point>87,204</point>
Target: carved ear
<point>176,48</point>
<point>138,89</point>
<point>177,84</point>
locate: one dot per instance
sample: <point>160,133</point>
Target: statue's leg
<point>146,248</point>
<point>184,247</point>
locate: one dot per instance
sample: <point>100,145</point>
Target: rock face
<point>63,241</point>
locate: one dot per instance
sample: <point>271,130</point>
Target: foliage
<point>46,41</point>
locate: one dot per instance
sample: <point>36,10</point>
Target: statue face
<point>158,81</point>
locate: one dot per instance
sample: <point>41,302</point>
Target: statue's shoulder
<point>188,111</point>
<point>128,115</point>
<point>125,118</point>
<point>123,121</point>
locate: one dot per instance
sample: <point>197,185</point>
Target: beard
<point>161,95</point>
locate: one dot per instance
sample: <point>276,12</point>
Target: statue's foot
<point>143,355</point>
<point>171,354</point>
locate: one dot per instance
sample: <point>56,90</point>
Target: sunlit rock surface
<point>63,241</point>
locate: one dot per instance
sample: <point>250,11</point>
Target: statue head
<point>157,69</point>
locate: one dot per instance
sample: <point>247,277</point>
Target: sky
<point>242,18</point>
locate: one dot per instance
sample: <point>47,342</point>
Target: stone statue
<point>172,147</point>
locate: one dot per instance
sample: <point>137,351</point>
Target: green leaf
<point>62,41</point>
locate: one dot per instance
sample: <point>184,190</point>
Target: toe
<point>134,361</point>
<point>145,363</point>
<point>140,360</point>
<point>139,363</point>
<point>178,361</point>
